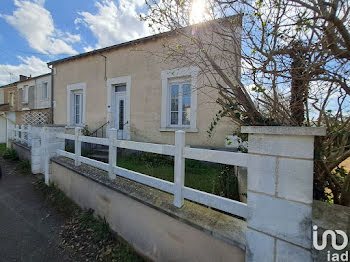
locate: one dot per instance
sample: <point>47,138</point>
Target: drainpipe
<point>105,57</point>
<point>108,109</point>
<point>51,68</point>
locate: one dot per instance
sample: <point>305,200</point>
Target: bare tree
<point>294,66</point>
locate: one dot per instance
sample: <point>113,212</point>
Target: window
<point>25,94</point>
<point>180,104</point>
<point>2,99</point>
<point>179,99</point>
<point>78,108</point>
<point>44,92</point>
<point>76,104</point>
<point>12,99</point>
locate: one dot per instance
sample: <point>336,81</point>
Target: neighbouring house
<point>34,100</point>
<point>126,87</point>
<point>8,109</point>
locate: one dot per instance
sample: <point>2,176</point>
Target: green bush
<point>10,154</point>
<point>226,184</point>
<point>2,149</point>
<point>69,149</point>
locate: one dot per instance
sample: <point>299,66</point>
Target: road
<point>28,228</point>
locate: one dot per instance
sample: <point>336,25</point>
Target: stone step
<point>99,157</point>
<point>101,150</point>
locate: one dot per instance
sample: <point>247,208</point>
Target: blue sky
<point>33,32</point>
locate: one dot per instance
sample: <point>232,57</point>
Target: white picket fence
<point>180,153</point>
<point>22,134</point>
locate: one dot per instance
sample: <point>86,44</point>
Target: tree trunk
<point>345,194</point>
<point>298,85</point>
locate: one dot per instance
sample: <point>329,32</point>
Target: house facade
<point>128,88</point>
<point>34,100</point>
<point>8,110</point>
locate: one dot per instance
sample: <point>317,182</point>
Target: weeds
<point>57,199</point>
<point>10,154</point>
<point>25,167</point>
<point>89,236</point>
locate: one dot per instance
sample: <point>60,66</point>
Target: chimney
<point>23,77</point>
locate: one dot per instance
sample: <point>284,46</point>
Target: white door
<point>120,121</point>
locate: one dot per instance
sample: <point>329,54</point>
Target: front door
<point>120,115</point>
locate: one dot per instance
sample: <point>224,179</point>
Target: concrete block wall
<point>280,187</point>
<point>44,146</point>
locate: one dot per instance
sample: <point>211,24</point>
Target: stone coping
<point>48,125</point>
<point>285,130</point>
<point>21,145</point>
<point>330,216</point>
<point>219,225</point>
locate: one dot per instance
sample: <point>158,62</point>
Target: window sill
<point>174,129</point>
<point>74,126</point>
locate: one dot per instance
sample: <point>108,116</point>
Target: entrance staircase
<point>97,152</point>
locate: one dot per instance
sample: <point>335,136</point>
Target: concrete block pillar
<point>44,146</point>
<point>36,150</point>
<point>280,190</point>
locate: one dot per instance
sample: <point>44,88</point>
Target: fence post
<point>112,155</point>
<point>29,135</point>
<point>17,132</point>
<point>77,146</point>
<point>45,152</point>
<point>179,168</point>
<point>280,190</point>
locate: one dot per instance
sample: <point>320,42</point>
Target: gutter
<point>52,71</point>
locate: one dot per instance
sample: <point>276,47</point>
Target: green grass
<point>2,149</point>
<point>198,175</point>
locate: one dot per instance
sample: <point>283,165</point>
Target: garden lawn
<point>198,175</point>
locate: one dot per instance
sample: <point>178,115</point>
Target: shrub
<point>226,184</point>
<point>10,154</point>
<point>2,149</point>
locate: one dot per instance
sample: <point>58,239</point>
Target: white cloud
<point>29,66</point>
<point>113,24</point>
<point>71,38</point>
<point>88,48</point>
<point>36,25</point>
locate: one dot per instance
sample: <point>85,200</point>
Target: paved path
<point>28,228</point>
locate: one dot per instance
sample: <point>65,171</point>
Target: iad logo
<point>333,235</point>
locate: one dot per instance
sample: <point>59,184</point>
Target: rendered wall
<point>153,234</point>
<point>3,129</point>
<point>23,151</point>
<point>146,94</point>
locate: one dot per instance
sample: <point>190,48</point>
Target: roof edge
<point>136,41</point>
<point>29,79</point>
